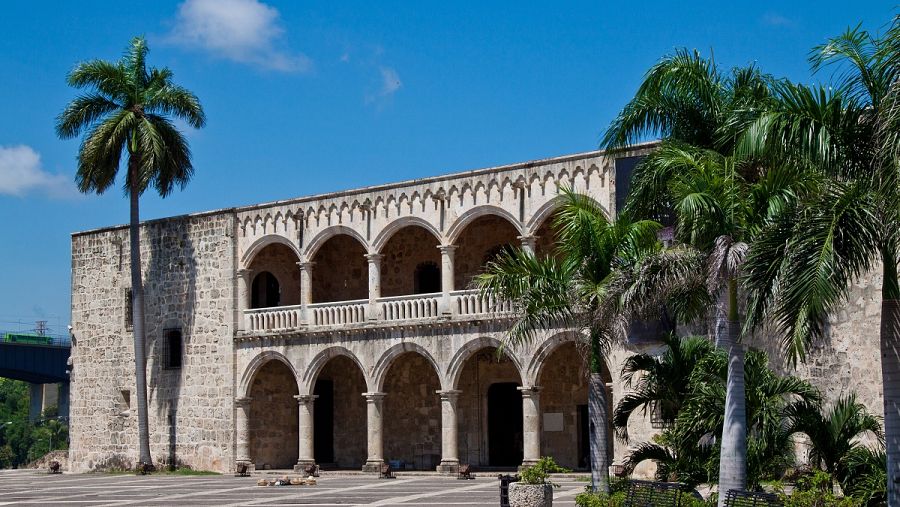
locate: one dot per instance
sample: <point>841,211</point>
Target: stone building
<point>343,329</point>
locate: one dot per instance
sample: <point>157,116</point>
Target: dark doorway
<point>504,425</point>
<point>266,291</point>
<point>427,278</point>
<point>323,422</point>
<point>584,438</point>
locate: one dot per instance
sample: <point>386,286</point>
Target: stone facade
<point>377,350</point>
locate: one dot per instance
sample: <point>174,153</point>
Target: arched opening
<point>478,244</point>
<point>490,411</point>
<point>266,291</point>
<point>564,405</point>
<point>276,278</point>
<point>410,258</point>
<point>412,413</point>
<point>547,237</point>
<point>273,417</point>
<point>341,271</point>
<point>339,415</point>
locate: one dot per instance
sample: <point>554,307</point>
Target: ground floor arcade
<point>417,404</point>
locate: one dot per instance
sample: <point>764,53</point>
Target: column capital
<point>374,397</point>
<point>528,239</point>
<point>242,401</point>
<point>304,399</point>
<point>244,272</point>
<point>447,249</point>
<point>530,391</point>
<point>305,265</point>
<point>449,394</point>
<point>374,257</point>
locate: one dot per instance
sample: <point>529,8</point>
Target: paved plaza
<point>23,487</point>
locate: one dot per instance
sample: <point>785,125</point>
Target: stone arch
<point>536,363</point>
<point>258,362</point>
<point>273,414</point>
<point>396,225</point>
<point>547,209</point>
<point>319,239</point>
<point>383,365</point>
<point>321,359</point>
<point>458,361</point>
<point>258,246</point>
<point>469,216</point>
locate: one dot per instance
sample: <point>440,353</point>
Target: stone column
<point>374,285</point>
<point>375,426</point>
<point>449,432</point>
<point>529,243</point>
<point>305,455</point>
<point>531,425</point>
<point>244,284</point>
<point>447,277</point>
<point>242,429</point>
<point>305,289</point>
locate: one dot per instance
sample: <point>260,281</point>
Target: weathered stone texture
<point>273,417</point>
<point>341,272</point>
<point>187,269</point>
<point>479,243</point>
<point>403,253</point>
<point>412,426</point>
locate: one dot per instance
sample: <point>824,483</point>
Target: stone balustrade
<point>463,303</point>
<point>337,313</point>
<point>472,302</point>
<point>266,320</point>
<point>417,306</point>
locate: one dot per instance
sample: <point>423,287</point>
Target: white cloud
<point>390,81</point>
<point>245,31</point>
<point>773,19</point>
<point>21,172</point>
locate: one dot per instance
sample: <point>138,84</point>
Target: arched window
<point>266,291</point>
<point>427,278</point>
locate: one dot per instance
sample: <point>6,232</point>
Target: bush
<point>617,499</point>
<point>540,471</point>
<point>814,489</point>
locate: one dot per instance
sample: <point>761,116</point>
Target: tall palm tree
<point>569,290</point>
<point>800,270</point>
<point>125,110</point>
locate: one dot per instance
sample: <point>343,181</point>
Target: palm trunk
<point>137,295</point>
<point>598,414</point>
<point>733,453</point>
<point>890,372</point>
<point>721,320</point>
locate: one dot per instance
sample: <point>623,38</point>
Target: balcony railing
<point>416,306</point>
<point>267,320</point>
<point>338,313</point>
<point>463,304</point>
<point>472,302</point>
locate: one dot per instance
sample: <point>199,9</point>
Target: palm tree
<point>662,384</point>
<point>569,290</point>
<point>125,110</point>
<point>833,434</point>
<point>687,450</point>
<point>799,272</point>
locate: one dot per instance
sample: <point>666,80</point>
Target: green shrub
<point>617,499</point>
<point>540,471</point>
<point>814,489</point>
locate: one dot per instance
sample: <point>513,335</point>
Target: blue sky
<point>308,97</point>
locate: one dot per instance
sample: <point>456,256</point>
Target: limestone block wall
<point>403,253</point>
<point>412,425</point>
<point>188,266</point>
<point>273,417</point>
<point>281,262</point>
<point>349,425</point>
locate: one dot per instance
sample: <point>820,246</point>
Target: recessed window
<point>427,278</point>
<point>129,309</point>
<point>172,349</point>
<point>266,291</point>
